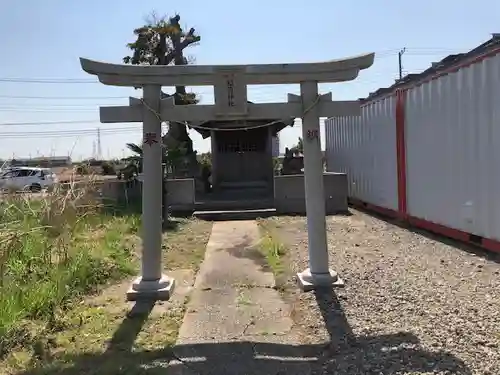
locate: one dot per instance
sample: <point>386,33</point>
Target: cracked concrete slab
<point>236,322</point>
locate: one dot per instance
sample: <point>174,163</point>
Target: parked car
<point>27,179</point>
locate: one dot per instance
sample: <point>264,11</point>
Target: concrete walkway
<point>236,322</point>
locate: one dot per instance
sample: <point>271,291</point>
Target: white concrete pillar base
<point>159,290</point>
<point>308,281</point>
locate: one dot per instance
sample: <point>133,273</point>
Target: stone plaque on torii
<point>230,89</point>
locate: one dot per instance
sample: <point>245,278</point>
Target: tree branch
<point>178,45</point>
<point>189,39</point>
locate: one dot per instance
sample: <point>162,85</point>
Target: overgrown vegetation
<point>60,308</point>
<point>54,250</point>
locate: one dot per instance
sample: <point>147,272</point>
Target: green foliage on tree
<point>162,41</point>
<point>205,159</point>
<point>170,157</point>
<point>136,149</point>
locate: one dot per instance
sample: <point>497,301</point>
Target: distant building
<point>50,161</point>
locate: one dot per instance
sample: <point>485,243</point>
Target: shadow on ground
<point>246,247</point>
<point>344,354</point>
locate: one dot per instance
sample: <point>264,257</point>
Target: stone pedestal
<point>308,281</point>
<point>158,290</point>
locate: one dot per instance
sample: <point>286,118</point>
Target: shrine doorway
<point>243,160</point>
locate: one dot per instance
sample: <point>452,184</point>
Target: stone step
<point>244,185</point>
<point>240,194</point>
<point>224,215</point>
<point>234,204</point>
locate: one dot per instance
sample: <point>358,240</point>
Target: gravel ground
<point>411,305</point>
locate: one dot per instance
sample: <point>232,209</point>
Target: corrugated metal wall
<point>364,147</point>
<point>452,131</point>
<point>451,146</point>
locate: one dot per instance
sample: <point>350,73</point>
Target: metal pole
<point>400,60</point>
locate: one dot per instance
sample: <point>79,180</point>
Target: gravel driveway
<point>411,305</point>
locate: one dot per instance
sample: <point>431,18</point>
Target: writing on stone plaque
<point>230,92</point>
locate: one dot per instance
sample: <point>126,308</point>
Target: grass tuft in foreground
<point>274,251</point>
<point>53,250</point>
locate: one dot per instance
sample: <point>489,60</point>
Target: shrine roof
<point>276,125</point>
<point>204,128</point>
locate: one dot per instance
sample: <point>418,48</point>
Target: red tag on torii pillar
<point>312,134</point>
<point>150,138</point>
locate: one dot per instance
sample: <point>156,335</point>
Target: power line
<point>62,97</point>
<point>380,54</point>
<point>46,80</point>
<point>59,136</point>
<point>76,131</point>
<point>60,110</point>
<point>70,81</point>
<point>70,133</point>
<point>57,105</point>
<point>49,123</point>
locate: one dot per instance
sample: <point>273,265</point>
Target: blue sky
<point>42,40</point>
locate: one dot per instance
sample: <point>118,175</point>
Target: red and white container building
<point>427,149</point>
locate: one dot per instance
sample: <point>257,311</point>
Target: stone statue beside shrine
<point>293,163</point>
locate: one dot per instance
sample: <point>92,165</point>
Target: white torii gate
<point>230,89</point>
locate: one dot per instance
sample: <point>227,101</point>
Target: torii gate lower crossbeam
<point>230,87</point>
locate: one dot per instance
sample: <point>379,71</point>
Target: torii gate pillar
<point>318,272</point>
<point>152,284</point>
<point>230,88</point>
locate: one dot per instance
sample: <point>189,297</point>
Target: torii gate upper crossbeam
<point>205,75</point>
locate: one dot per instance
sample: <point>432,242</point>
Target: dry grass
<point>91,329</point>
<point>47,260</point>
<point>412,304</point>
<point>185,248</point>
<point>68,174</point>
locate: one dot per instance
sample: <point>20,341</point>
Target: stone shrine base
<point>159,290</point>
<point>308,282</point>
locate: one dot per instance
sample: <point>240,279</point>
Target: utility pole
<point>99,147</point>
<point>400,60</point>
